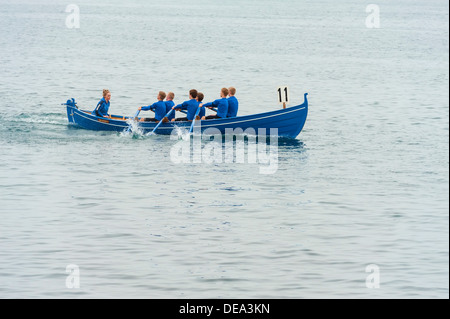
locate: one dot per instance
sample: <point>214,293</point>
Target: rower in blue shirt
<point>202,113</point>
<point>103,106</point>
<point>221,105</point>
<point>233,104</point>
<point>169,105</point>
<point>191,106</point>
<point>159,108</point>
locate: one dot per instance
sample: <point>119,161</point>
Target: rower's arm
<point>99,111</point>
<point>182,106</point>
<point>149,107</point>
<point>212,106</point>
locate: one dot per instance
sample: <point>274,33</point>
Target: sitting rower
<point>103,106</point>
<point>233,104</point>
<point>191,106</point>
<point>221,104</point>
<point>159,108</point>
<point>169,105</point>
<point>202,113</point>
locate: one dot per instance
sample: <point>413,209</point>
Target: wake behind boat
<point>289,122</point>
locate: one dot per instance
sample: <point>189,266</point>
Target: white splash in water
<point>182,133</point>
<point>133,129</point>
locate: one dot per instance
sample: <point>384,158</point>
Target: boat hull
<point>287,122</point>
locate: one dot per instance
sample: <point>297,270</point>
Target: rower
<point>191,106</point>
<point>202,114</point>
<point>159,108</point>
<point>221,105</point>
<point>103,106</point>
<point>233,104</point>
<point>169,104</point>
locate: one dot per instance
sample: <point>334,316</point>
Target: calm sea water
<point>365,183</point>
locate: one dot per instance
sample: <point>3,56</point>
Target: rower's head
<point>106,95</point>
<point>231,91</point>
<point>200,96</point>
<point>224,92</point>
<point>161,95</point>
<point>193,94</point>
<point>170,96</point>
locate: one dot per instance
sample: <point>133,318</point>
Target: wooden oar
<point>136,115</point>
<point>195,118</point>
<point>160,122</point>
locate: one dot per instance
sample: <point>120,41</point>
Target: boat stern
<point>70,106</point>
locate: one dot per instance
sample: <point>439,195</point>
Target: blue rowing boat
<point>289,122</point>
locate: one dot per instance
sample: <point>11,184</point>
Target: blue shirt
<point>102,108</point>
<point>222,107</point>
<point>202,110</point>
<point>160,109</point>
<point>169,105</point>
<point>233,106</point>
<point>191,106</point>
